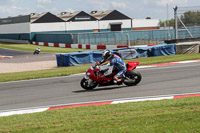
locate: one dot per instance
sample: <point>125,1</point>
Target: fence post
<point>128,40</point>
<point>100,38</point>
<point>115,39</point>
<point>89,39</point>
<point>176,22</point>
<point>121,37</point>
<point>107,39</point>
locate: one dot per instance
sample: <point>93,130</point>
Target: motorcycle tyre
<point>86,87</point>
<point>135,73</point>
<point>36,52</point>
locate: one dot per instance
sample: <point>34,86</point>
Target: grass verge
<point>170,116</point>
<point>65,71</point>
<point>31,48</point>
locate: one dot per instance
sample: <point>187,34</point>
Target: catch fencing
<point>123,37</point>
<point>187,22</point>
<point>133,37</point>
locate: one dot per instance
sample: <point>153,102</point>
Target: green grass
<point>165,116</point>
<point>65,71</point>
<point>31,48</point>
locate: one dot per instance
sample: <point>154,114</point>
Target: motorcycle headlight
<point>88,74</point>
<point>86,77</point>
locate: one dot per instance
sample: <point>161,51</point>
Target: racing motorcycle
<point>95,76</point>
<point>37,51</point>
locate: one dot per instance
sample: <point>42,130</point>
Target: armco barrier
<point>79,58</point>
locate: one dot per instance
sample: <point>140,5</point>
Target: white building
<point>145,24</point>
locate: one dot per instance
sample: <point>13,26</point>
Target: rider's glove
<point>94,65</point>
<point>98,63</point>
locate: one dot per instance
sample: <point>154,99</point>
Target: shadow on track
<point>100,89</point>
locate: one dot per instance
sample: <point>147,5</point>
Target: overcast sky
<point>156,9</point>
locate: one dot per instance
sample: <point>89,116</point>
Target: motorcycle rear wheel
<point>133,78</point>
<point>84,84</point>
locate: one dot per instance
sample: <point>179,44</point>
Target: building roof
<point>100,14</point>
<point>36,16</point>
<point>16,19</point>
<point>76,16</point>
<point>45,17</point>
<point>67,15</point>
<point>108,15</point>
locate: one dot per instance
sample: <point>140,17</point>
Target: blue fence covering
<point>86,57</point>
<point>142,51</point>
<point>157,50</point>
<point>163,50</point>
<point>97,55</point>
<point>75,58</point>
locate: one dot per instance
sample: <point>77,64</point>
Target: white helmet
<point>106,54</point>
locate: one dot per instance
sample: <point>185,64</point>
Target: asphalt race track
<point>8,52</point>
<point>162,80</point>
<point>20,56</point>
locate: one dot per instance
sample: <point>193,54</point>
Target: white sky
<point>156,9</point>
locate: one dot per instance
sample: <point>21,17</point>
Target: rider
<point>115,63</point>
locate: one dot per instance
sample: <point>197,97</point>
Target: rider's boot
<point>117,82</point>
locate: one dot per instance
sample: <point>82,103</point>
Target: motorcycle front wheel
<point>88,85</point>
<point>132,78</point>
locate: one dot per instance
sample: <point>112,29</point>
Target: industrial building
<point>40,25</point>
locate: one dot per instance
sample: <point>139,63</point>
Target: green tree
<point>148,17</point>
<point>167,23</point>
<point>191,18</point>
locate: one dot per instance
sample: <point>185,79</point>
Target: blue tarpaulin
<point>127,53</point>
<point>142,52</point>
<point>163,50</point>
<point>75,58</point>
<point>156,50</point>
<point>86,57</point>
<point>97,55</point>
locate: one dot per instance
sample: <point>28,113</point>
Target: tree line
<point>190,18</point>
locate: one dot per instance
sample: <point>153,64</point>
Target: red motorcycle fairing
<point>131,65</point>
<point>98,76</point>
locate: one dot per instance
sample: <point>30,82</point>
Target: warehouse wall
<point>18,31</point>
<point>58,27</point>
<point>46,27</point>
<point>145,24</point>
<point>87,26</point>
<point>105,24</point>
<point>15,28</point>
